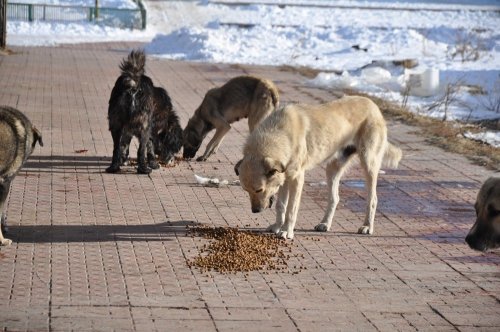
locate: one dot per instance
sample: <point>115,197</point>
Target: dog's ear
<point>272,167</point>
<point>37,137</point>
<point>237,166</point>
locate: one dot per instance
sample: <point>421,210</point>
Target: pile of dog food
<point>232,250</point>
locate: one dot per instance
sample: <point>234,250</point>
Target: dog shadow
<point>61,164</point>
<point>164,231</point>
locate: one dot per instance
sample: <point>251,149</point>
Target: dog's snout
<point>256,209</point>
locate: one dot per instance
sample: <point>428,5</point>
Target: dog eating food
<point>298,137</point>
<point>241,97</point>
<point>138,108</point>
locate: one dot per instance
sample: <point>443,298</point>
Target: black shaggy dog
<point>138,108</point>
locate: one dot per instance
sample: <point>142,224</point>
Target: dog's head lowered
<point>193,135</point>
<point>485,233</point>
<point>261,178</point>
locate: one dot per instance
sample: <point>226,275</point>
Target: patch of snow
<point>458,39</point>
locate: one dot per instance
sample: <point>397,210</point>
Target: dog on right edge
<point>297,138</point>
<point>485,233</point>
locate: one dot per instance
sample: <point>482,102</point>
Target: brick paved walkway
<point>96,251</point>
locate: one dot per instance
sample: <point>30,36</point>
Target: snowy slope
<point>332,36</point>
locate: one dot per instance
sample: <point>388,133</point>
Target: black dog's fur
<point>138,108</point>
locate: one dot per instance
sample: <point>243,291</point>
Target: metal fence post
<point>30,13</point>
<point>3,24</point>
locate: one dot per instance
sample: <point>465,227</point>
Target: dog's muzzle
<point>260,208</point>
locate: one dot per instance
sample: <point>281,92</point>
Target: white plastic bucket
<point>424,83</point>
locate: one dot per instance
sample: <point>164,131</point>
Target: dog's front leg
<point>125,140</point>
<point>215,142</point>
<point>334,172</point>
<point>151,156</point>
<point>280,209</point>
<point>142,167</point>
<point>4,191</point>
<point>295,192</point>
<point>116,160</point>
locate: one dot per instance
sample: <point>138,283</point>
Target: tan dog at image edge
<point>485,233</point>
<point>297,138</point>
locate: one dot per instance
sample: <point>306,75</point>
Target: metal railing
<point>116,17</point>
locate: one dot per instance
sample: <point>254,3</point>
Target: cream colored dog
<point>297,138</point>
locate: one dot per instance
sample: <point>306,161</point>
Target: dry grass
<point>445,134</point>
<point>304,71</point>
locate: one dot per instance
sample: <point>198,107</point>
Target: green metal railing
<point>116,17</point>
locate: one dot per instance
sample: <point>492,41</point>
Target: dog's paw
<point>274,228</point>
<point>365,230</point>
<point>321,228</point>
<point>201,159</point>
<point>285,235</point>
<point>153,164</point>
<point>5,242</point>
<point>143,170</point>
<point>5,229</point>
<point>113,169</point>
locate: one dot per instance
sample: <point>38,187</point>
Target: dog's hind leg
<point>371,163</point>
<point>334,172</point>
<point>222,128</point>
<point>295,192</point>
<point>280,209</point>
<point>4,191</point>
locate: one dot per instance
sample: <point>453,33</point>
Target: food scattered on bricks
<point>232,250</point>
<point>172,163</point>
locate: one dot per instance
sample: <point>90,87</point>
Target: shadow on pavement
<point>98,233</point>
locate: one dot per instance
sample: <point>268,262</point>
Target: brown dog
<point>240,97</point>
<point>485,234</point>
<point>296,138</point>
<point>17,141</point>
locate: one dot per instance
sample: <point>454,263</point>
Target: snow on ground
<point>457,39</point>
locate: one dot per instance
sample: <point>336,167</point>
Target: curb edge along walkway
<point>97,251</point>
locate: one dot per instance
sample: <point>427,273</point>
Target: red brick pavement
<point>96,251</point>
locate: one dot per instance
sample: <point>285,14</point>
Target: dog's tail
<point>266,100</point>
<point>134,65</point>
<point>392,156</point>
<point>271,90</point>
